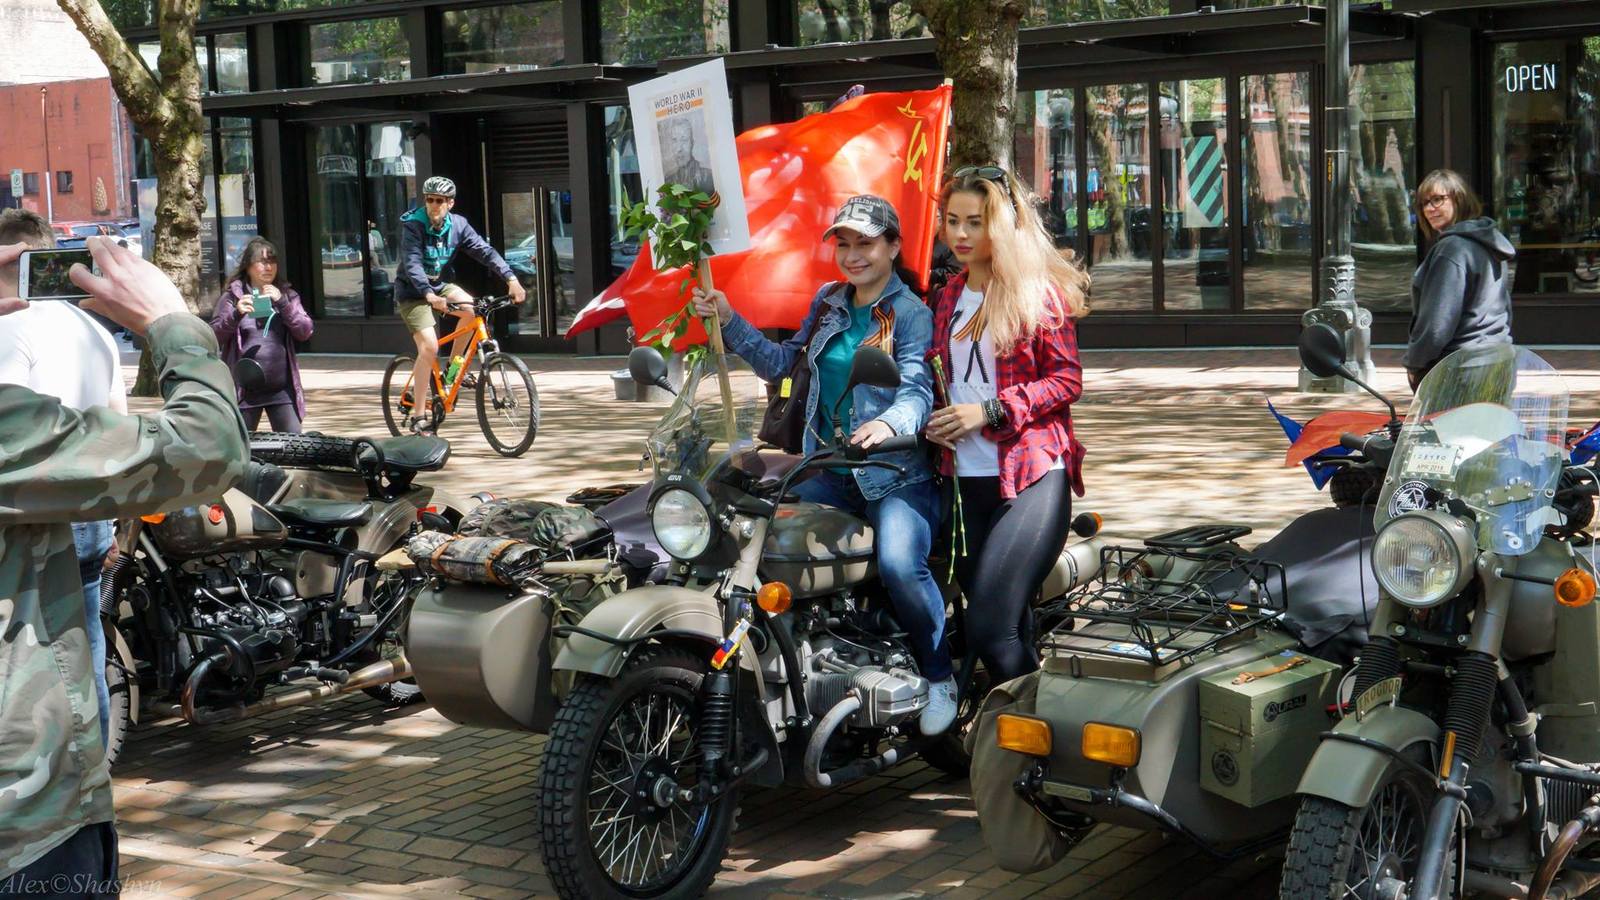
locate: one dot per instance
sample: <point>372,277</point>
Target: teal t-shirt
<point>833,371</point>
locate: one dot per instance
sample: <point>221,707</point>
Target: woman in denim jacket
<point>871,306</point>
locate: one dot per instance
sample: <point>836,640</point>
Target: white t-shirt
<point>54,348</point>
<point>972,380</point>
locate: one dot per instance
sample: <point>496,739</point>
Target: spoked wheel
<point>390,646</point>
<point>1343,853</point>
<point>399,400</point>
<point>614,812</point>
<point>508,404</point>
<point>118,668</point>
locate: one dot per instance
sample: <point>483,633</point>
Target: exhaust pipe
<point>381,672</point>
<point>1544,880</point>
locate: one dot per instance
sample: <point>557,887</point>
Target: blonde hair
<point>1032,283</point>
<point>1449,181</point>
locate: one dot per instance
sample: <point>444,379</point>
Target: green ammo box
<point>1256,737</point>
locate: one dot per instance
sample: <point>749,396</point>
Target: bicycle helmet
<point>440,186</point>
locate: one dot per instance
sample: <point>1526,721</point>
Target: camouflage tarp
<point>547,526</point>
<point>1020,839</point>
<point>479,560</point>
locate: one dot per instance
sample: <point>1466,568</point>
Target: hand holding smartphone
<point>44,274</point>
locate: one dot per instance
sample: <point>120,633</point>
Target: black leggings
<point>282,416</point>
<point>1010,547</point>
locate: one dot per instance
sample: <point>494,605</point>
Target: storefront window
<point>1546,162</point>
<point>1118,191</point>
<point>1383,151</point>
<point>1275,148</point>
<point>233,62</point>
<point>338,226</point>
<point>1197,272</point>
<point>1064,12</point>
<point>358,51</point>
<point>392,191</point>
<point>1047,160</point>
<point>835,21</point>
<point>623,186</point>
<point>236,185</point>
<point>512,37</point>
<point>646,31</point>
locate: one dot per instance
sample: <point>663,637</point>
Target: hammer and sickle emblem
<point>918,146</point>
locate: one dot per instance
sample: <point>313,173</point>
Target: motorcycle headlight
<point>1424,558</point>
<point>682,523</point>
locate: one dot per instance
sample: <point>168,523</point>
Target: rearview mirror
<point>647,367</point>
<point>1322,350</point>
<point>249,375</point>
<point>874,367</point>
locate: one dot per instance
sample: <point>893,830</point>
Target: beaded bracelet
<point>994,413</point>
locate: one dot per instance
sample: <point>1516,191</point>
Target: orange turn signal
<point>154,519</point>
<point>1111,744</point>
<point>1022,734</point>
<point>1575,587</point>
<point>775,597</point>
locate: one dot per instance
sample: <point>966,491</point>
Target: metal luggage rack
<point>1218,593</point>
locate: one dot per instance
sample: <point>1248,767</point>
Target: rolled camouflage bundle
<point>545,525</point>
<point>478,560</point>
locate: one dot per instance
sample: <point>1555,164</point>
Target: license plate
<point>1437,461</point>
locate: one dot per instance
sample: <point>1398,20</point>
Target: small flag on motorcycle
<point>720,658</point>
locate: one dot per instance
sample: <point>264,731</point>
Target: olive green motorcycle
<point>1468,764</point>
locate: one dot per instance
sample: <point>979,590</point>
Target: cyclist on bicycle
<point>429,238</point>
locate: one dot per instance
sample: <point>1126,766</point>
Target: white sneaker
<point>941,709</point>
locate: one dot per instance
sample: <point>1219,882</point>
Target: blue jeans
<point>903,523</point>
<point>93,542</point>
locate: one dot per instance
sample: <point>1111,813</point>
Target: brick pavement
<point>352,799</point>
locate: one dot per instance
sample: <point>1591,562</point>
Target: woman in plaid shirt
<point>1005,345</point>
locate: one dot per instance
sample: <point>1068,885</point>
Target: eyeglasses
<point>266,261</point>
<point>1437,200</point>
<point>992,174</point>
<point>435,200</point>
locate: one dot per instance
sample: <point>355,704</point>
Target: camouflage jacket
<point>59,466</point>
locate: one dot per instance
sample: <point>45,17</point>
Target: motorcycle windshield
<point>696,436</point>
<point>1485,429</point>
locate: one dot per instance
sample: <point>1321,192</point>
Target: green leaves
<point>677,228</point>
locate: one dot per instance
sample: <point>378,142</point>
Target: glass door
<point>537,226</point>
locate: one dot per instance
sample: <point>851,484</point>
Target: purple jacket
<point>225,322</point>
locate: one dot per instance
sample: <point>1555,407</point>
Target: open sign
<point>1531,77</point>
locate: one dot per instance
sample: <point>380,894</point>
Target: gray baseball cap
<point>865,214</point>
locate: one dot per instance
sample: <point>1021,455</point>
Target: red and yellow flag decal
<point>796,175</point>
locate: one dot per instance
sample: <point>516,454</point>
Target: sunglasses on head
<point>992,174</point>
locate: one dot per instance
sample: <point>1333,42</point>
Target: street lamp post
<point>1338,306</point>
<point>49,188</point>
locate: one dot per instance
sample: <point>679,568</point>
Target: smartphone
<point>262,305</point>
<point>43,274</point>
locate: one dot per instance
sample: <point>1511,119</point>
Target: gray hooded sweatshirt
<point>1461,294</point>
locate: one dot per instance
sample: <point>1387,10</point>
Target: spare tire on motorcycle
<point>1020,838</point>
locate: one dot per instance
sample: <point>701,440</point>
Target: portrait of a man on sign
<point>683,134</point>
<point>683,150</point>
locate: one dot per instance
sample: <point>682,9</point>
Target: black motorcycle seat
<point>262,481</point>
<point>312,513</point>
<point>414,453</point>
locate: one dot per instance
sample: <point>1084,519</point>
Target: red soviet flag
<point>796,175</point>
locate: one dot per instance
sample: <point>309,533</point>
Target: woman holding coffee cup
<point>257,321</point>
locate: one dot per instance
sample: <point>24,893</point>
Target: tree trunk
<point>1103,144</point>
<point>881,29</point>
<point>166,110</point>
<point>976,43</point>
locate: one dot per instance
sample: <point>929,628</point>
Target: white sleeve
<point>16,351</point>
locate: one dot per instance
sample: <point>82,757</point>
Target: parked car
<point>340,256</point>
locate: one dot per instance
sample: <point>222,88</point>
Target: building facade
<point>73,145</point>
<point>1176,146</point>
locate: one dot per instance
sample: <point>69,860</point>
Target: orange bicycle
<point>508,402</point>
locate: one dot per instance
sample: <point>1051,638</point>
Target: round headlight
<point>682,524</point>
<point>1422,559</point>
